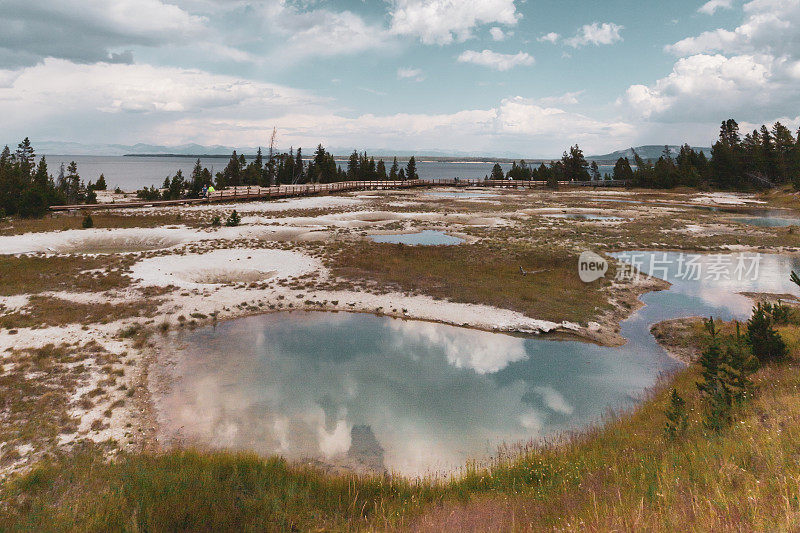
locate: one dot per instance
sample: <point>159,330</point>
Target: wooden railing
<point>251,192</point>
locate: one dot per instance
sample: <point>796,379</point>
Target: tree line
<point>280,169</point>
<point>762,158</point>
<point>27,188</point>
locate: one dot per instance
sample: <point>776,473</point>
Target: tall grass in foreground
<point>622,476</point>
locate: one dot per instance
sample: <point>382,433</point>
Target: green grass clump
<point>189,490</point>
<point>482,274</point>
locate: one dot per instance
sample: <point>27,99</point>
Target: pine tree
<point>381,170</point>
<point>497,172</point>
<point>765,342</point>
<point>26,158</point>
<point>411,169</point>
<point>101,183</point>
<point>393,172</point>
<point>298,167</point>
<point>595,171</point>
<point>622,169</point>
<point>353,166</point>
<point>677,417</point>
<point>41,178</point>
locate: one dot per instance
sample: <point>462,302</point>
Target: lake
<point>417,397</point>
<point>133,173</point>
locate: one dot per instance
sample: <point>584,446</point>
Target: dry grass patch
<point>43,311</point>
<point>67,221</point>
<point>35,393</point>
<point>31,274</point>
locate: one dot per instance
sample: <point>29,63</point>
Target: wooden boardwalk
<point>253,192</point>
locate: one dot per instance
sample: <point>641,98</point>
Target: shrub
<point>234,219</point>
<point>779,313</point>
<point>766,343</point>
<point>216,221</point>
<point>88,222</point>
<point>725,373</point>
<point>677,417</point>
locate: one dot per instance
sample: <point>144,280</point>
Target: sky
<point>489,77</point>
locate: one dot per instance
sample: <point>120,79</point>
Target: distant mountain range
<point>650,151</point>
<point>72,148</point>
<point>192,149</point>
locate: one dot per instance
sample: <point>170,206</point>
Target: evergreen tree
<point>231,175</point>
<point>575,165</point>
<point>677,417</point>
<point>622,169</point>
<point>41,178</point>
<point>26,158</point>
<point>101,183</point>
<point>497,172</point>
<point>393,172</point>
<point>298,167</point>
<point>765,342</point>
<point>594,171</point>
<point>411,169</point>
<point>380,170</point>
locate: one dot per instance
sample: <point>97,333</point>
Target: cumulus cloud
<point>750,72</point>
<point>770,27</point>
<point>89,31</point>
<point>596,34</point>
<point>568,98</point>
<point>711,7</point>
<point>91,94</point>
<point>410,74</point>
<point>551,37</point>
<point>321,32</point>
<point>445,21</point>
<point>495,60</point>
<point>133,103</point>
<point>713,86</point>
<point>498,34</point>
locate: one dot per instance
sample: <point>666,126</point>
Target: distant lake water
<point>132,173</point>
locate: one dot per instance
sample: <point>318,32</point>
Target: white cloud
<point>551,37</point>
<point>443,21</point>
<point>751,72</point>
<point>498,34</point>
<point>713,86</point>
<point>108,99</point>
<point>710,7</point>
<point>596,34</point>
<point>89,31</point>
<point>410,74</point>
<point>495,60</point>
<point>568,98</point>
<point>770,27</point>
<point>321,32</point>
<point>142,103</point>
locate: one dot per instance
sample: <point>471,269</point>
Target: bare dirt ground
<point>79,309</point>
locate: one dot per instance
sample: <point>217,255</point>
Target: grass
<point>35,393</point>
<point>623,476</point>
<point>480,274</point>
<point>43,311</point>
<point>31,274</point>
<point>67,221</point>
